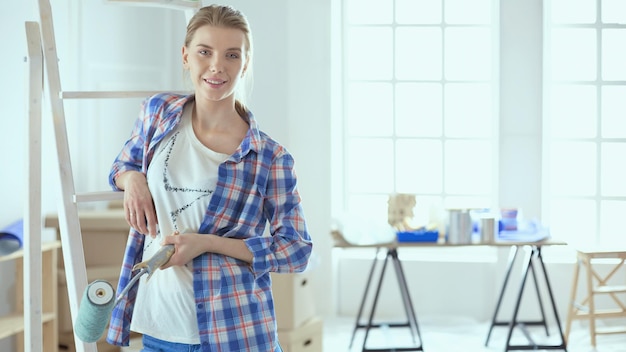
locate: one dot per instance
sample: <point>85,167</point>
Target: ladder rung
<point>170,4</point>
<point>111,94</point>
<point>610,289</point>
<point>98,196</point>
<point>602,313</point>
<point>608,330</point>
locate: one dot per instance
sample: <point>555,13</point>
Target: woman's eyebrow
<point>210,47</point>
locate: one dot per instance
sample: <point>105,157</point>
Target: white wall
<point>521,105</point>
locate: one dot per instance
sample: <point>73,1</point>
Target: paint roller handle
<point>149,266</point>
<point>129,285</point>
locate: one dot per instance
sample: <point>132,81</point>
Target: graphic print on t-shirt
<point>173,188</point>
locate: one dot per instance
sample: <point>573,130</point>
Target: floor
<point>453,334</point>
<point>456,334</point>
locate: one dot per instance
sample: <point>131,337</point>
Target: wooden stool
<point>597,284</point>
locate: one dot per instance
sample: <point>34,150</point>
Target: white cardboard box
<point>293,299</point>
<point>306,338</point>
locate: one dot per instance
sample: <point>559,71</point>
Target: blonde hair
<point>226,17</point>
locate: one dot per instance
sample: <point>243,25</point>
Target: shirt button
<point>200,306</point>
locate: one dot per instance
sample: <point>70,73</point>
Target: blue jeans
<point>150,344</point>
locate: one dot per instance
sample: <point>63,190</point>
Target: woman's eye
<point>203,52</point>
<point>233,56</point>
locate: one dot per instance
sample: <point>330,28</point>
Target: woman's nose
<point>216,65</point>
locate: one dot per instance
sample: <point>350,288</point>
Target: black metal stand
<point>533,253</point>
<point>406,300</point>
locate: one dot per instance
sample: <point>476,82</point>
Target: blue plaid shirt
<point>256,187</point>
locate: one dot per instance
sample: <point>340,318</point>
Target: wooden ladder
<point>41,35</point>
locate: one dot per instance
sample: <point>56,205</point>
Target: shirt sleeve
<point>289,245</point>
<point>131,156</point>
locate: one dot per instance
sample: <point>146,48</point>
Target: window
<point>584,124</point>
<point>419,104</point>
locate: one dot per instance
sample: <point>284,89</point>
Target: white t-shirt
<point>181,177</point>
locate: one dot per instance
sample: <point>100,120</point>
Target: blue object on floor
<point>12,237</point>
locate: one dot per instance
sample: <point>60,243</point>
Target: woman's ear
<point>185,55</point>
<point>245,67</point>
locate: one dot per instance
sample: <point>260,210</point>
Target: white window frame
<point>340,190</point>
<point>576,239</point>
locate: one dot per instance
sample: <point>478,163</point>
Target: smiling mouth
<point>214,82</point>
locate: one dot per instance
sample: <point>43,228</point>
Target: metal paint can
<point>487,230</point>
<point>459,226</point>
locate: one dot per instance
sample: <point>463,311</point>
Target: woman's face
<point>216,60</point>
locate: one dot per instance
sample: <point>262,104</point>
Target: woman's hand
<point>190,245</point>
<point>187,246</point>
<point>138,204</point>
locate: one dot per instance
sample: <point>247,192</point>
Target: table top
<point>341,242</point>
<point>547,242</point>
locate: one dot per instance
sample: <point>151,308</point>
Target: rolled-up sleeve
<point>289,245</point>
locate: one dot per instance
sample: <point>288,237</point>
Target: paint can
<point>487,230</point>
<point>459,226</point>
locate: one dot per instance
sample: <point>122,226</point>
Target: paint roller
<point>98,300</point>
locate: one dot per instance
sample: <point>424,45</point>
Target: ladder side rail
<point>112,94</point>
<point>33,329</point>
<point>71,238</point>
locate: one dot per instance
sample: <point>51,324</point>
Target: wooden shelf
<point>93,220</point>
<point>14,323</point>
<point>46,246</point>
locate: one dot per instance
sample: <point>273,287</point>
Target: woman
<point>199,174</point>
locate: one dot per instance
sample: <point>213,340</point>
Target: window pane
<point>614,11</point>
<point>613,107</point>
<point>466,202</point>
<point>468,168</point>
<point>468,11</point>
<point>370,54</point>
<point>467,110</point>
<point>418,166</point>
<point>613,54</point>
<point>573,11</point>
<point>369,11</point>
<point>573,43</point>
<point>370,165</point>
<point>418,109</point>
<point>573,111</point>
<point>428,209</point>
<point>370,109</point>
<point>413,12</point>
<point>467,53</point>
<point>613,172</point>
<point>573,168</point>
<point>368,213</point>
<point>612,223</point>
<point>418,53</point>
<point>574,219</point>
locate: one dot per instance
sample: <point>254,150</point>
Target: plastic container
<point>418,236</point>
